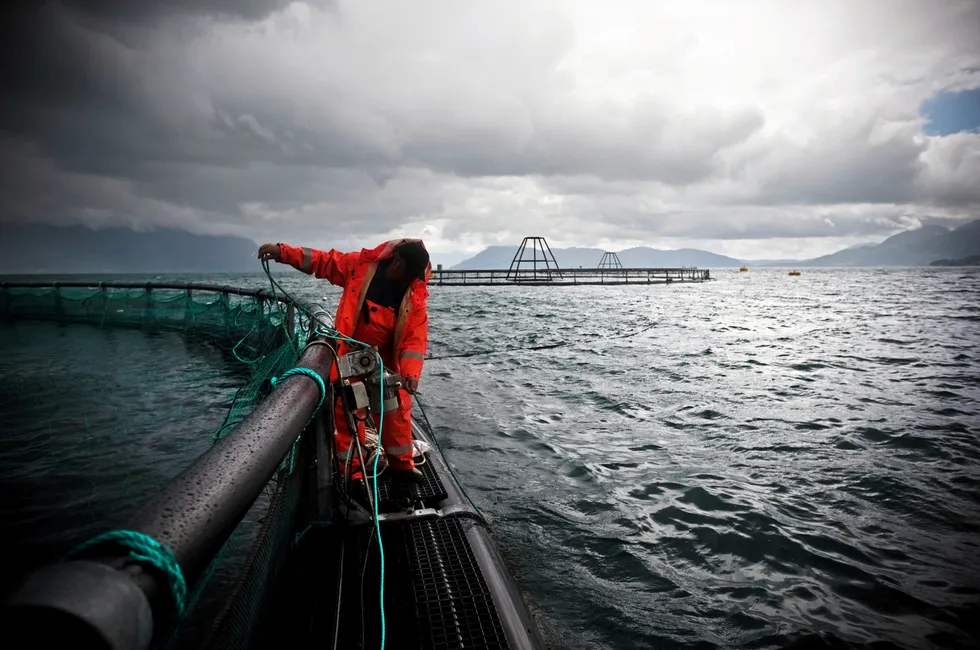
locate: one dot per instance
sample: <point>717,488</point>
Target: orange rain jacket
<point>354,272</point>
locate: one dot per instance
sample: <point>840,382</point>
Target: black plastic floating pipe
<point>110,602</point>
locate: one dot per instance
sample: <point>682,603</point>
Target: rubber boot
<point>405,487</point>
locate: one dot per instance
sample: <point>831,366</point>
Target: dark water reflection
<point>777,461</point>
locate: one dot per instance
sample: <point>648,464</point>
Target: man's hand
<point>411,384</point>
<point>269,252</point>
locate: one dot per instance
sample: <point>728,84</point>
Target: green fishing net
<point>261,338</point>
<point>257,332</point>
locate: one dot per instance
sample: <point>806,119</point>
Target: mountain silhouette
<point>500,257</point>
<point>39,249</point>
<point>919,247</point>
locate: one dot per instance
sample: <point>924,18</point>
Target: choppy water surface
<point>776,461</point>
<point>93,421</point>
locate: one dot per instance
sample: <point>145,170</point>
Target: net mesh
<point>261,338</point>
<point>259,334</point>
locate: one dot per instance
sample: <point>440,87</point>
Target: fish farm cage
<point>302,576</point>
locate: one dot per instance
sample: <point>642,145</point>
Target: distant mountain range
<point>39,249</point>
<point>499,257</point>
<point>34,249</point>
<point>919,247</point>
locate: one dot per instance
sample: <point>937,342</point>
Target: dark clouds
<point>123,12</point>
<point>482,120</point>
<point>852,165</point>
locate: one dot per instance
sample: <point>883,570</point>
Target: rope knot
<point>145,549</point>
<point>306,372</point>
<point>312,374</point>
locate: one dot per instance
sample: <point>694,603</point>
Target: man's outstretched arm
<point>332,265</point>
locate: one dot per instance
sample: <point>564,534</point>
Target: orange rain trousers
<point>396,432</point>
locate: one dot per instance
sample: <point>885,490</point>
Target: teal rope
<point>279,309</point>
<point>144,548</point>
<point>312,374</point>
<point>377,524</point>
<point>310,526</point>
<point>192,598</point>
<point>234,350</point>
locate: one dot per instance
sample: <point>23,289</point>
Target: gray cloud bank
<point>750,125</point>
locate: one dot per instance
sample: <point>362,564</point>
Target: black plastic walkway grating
<point>430,487</point>
<point>453,606</point>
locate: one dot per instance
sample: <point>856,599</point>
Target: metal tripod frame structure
<point>610,265</point>
<point>543,267</point>
<point>609,262</point>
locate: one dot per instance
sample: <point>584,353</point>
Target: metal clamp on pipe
<point>364,383</point>
<point>111,599</point>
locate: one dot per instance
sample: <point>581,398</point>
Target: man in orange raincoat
<point>384,305</point>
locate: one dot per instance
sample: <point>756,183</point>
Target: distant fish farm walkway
<point>534,265</point>
<point>528,277</point>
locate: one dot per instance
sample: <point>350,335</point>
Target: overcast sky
<point>759,129</point>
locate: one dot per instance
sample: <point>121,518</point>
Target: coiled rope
<point>312,374</point>
<point>306,372</point>
<point>145,549</point>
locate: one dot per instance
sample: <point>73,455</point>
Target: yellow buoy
<point>794,272</point>
<point>743,269</point>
